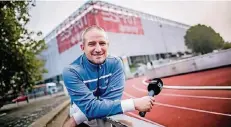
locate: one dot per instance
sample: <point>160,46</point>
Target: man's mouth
<point>97,54</point>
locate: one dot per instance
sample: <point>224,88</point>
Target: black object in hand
<point>154,88</point>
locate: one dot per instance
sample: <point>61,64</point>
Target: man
<point>95,82</point>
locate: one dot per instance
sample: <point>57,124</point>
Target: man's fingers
<point>152,102</point>
<point>148,110</point>
<point>153,99</point>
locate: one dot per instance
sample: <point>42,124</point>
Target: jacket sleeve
<point>84,98</point>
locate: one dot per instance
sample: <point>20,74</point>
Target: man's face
<point>95,46</point>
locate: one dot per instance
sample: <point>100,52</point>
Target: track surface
<point>215,77</point>
<point>186,108</point>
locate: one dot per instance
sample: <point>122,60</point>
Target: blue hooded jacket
<point>95,89</point>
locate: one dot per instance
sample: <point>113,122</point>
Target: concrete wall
<point>198,63</point>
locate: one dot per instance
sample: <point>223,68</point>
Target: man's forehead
<point>95,34</point>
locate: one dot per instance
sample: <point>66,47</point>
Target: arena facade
<point>134,36</point>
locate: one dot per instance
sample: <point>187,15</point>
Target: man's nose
<point>98,48</point>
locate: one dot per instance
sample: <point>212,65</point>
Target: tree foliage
<point>20,65</point>
<point>227,45</point>
<point>203,39</point>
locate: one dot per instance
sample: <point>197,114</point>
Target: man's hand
<point>70,123</point>
<point>144,104</point>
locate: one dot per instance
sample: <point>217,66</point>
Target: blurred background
<point>185,43</point>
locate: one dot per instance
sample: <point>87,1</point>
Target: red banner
<point>111,22</point>
<point>118,23</point>
<point>72,35</point>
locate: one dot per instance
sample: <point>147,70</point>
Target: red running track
<point>215,77</point>
<point>184,108</point>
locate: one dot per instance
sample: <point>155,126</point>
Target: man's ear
<point>82,47</point>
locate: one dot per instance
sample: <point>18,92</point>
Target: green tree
<point>20,66</point>
<point>227,45</point>
<point>203,39</point>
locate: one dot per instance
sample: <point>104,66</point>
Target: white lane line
<point>181,95</point>
<point>144,82</point>
<point>201,97</point>
<point>147,120</point>
<point>185,108</point>
<point>199,87</point>
<point>193,87</point>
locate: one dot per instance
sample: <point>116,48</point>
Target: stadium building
<point>135,37</point>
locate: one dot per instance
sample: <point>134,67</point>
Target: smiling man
<point>95,45</point>
<point>95,82</point>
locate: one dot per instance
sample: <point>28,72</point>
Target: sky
<point>48,14</point>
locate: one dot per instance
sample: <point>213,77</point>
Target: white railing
<point>122,120</point>
<point>198,63</point>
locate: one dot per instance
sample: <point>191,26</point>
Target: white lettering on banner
<point>123,18</point>
<point>75,38</point>
<point>119,23</point>
<point>65,34</point>
<point>72,34</point>
<point>113,17</point>
<point>78,25</point>
<point>85,20</point>
<point>108,16</point>
<point>130,29</point>
<point>128,20</point>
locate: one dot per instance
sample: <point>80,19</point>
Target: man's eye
<point>102,43</point>
<point>91,44</point>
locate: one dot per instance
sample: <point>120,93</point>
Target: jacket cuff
<point>79,117</point>
<point>127,105</point>
<point>77,114</point>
